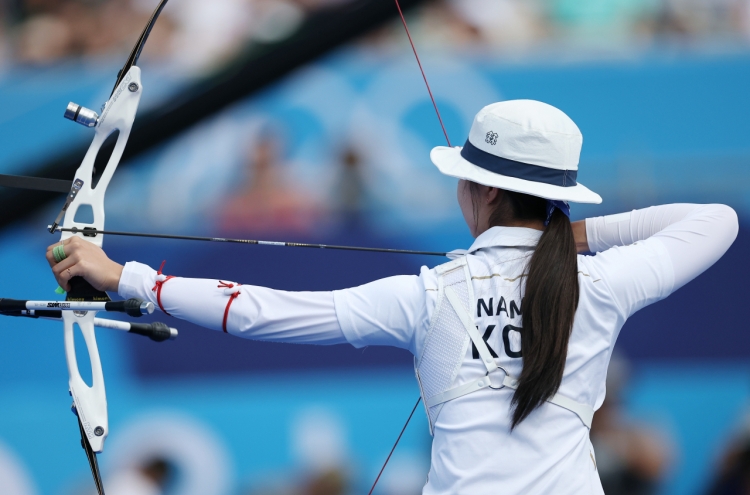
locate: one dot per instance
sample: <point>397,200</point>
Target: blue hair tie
<point>563,206</point>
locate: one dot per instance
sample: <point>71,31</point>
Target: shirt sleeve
<point>645,255</point>
<point>393,311</point>
<point>256,313</point>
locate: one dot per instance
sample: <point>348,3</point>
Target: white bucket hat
<point>524,146</point>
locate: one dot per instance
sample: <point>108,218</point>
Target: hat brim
<point>450,162</point>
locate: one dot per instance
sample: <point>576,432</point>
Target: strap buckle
<point>502,382</point>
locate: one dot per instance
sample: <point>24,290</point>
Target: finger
<point>59,271</point>
<point>74,242</point>
<point>50,255</point>
<point>64,242</point>
<point>50,259</point>
<point>75,246</point>
<point>65,277</point>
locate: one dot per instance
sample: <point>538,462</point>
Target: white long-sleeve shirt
<point>643,256</point>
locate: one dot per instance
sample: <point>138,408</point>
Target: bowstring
<point>394,446</point>
<point>416,55</point>
<point>447,139</point>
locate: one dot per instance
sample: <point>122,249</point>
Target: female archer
<point>512,338</point>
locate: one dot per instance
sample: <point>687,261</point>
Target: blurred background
<point>308,120</point>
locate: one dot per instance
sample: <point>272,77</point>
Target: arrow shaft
<point>94,233</point>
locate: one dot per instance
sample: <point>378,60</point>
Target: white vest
<point>451,331</point>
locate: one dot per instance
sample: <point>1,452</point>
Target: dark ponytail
<point>549,301</point>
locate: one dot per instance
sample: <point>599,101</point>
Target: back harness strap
<point>584,411</point>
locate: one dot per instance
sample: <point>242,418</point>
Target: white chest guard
<point>451,330</point>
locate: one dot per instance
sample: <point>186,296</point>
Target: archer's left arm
<point>384,312</point>
<point>246,311</point>
<point>392,311</point>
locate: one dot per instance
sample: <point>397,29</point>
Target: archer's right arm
<point>645,255</point>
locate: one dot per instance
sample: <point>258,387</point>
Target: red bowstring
<point>414,49</point>
<point>394,446</point>
<point>434,104</point>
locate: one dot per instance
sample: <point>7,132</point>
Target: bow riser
<point>118,115</point>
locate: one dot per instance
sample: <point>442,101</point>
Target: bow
<point>82,215</point>
<point>118,114</point>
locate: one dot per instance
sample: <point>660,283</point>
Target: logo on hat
<point>491,138</point>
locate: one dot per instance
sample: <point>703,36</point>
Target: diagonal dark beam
<point>322,32</point>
